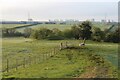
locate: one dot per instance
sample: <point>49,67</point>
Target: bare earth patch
<point>95,72</point>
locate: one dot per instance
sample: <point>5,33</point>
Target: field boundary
<point>28,61</point>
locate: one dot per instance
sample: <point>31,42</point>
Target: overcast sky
<point>58,9</point>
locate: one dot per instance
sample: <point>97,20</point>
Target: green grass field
<point>94,60</point>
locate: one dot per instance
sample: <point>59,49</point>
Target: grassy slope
<point>59,65</point>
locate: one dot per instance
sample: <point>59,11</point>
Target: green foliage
<point>85,27</point>
<point>113,36</point>
<point>27,32</point>
<point>67,33</point>
<point>55,37</point>
<point>97,34</point>
<point>9,32</point>
<point>82,30</point>
<point>41,33</point>
<point>56,32</point>
<point>76,31</point>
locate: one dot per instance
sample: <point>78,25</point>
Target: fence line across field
<point>24,62</point>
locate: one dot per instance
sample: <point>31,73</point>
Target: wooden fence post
<point>35,59</point>
<point>54,51</point>
<point>61,46</point>
<point>29,60</point>
<point>7,65</point>
<point>16,64</point>
<point>50,54</point>
<point>39,58</point>
<point>24,63</point>
<point>43,57</point>
<point>46,56</point>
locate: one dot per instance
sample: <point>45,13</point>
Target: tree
<point>10,32</point>
<point>34,34</point>
<point>27,32</point>
<point>97,34</point>
<point>67,33</point>
<point>113,36</point>
<point>41,33</point>
<point>57,32</point>
<point>85,28</point>
<point>116,36</point>
<point>55,35</point>
<point>75,31</point>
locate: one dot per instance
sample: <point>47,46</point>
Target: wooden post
<point>7,65</point>
<point>43,57</point>
<point>84,40</point>
<point>16,64</point>
<point>46,56</point>
<point>66,44</point>
<point>61,46</point>
<point>24,63</point>
<point>50,54</point>
<point>54,51</point>
<point>29,60</point>
<point>39,59</point>
<point>35,59</point>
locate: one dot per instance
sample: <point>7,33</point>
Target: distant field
<point>51,26</point>
<point>58,65</point>
<point>10,25</point>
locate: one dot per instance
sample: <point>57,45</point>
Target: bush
<point>55,37</point>
<point>9,32</point>
<point>27,32</point>
<point>113,36</point>
<point>67,33</point>
<point>97,34</point>
<point>41,33</point>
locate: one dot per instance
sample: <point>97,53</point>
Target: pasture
<point>98,58</point>
<point>25,57</point>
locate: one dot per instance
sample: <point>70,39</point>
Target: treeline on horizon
<point>84,30</point>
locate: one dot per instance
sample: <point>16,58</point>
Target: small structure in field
<point>61,46</point>
<point>66,44</point>
<point>82,44</point>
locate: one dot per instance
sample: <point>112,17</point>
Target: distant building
<point>30,21</point>
<point>93,20</point>
<point>103,21</point>
<point>109,21</point>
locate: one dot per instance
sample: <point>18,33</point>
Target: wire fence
<point>15,64</point>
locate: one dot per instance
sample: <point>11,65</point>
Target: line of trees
<point>81,31</point>
<point>9,32</point>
